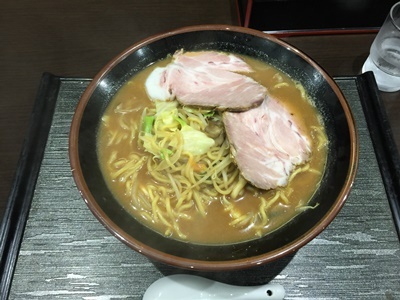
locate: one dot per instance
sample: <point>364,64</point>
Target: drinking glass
<point>384,56</point>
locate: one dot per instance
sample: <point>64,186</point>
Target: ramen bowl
<point>328,197</point>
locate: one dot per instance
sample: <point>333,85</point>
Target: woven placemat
<point>66,253</point>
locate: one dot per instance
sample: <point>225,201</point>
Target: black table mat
<point>52,247</point>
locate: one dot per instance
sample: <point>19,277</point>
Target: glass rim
<point>395,21</point>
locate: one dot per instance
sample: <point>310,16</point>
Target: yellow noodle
<point>278,77</point>
<point>143,202</point>
<point>146,215</point>
<point>131,167</point>
<point>238,187</point>
<point>240,220</point>
<point>199,203</point>
<point>271,201</point>
<point>179,232</point>
<point>106,120</point>
<point>283,197</point>
<point>123,124</point>
<point>185,207</point>
<point>112,158</point>
<point>262,212</point>
<point>113,137</point>
<point>322,139</point>
<point>302,90</point>
<point>174,185</point>
<point>168,208</point>
<point>163,219</point>
<point>281,85</point>
<point>299,170</point>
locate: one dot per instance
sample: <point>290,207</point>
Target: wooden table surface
<point>76,38</point>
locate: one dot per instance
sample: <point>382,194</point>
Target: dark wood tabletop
<point>76,38</point>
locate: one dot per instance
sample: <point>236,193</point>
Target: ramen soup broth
<point>223,218</point>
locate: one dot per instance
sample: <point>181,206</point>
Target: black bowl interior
<point>330,195</point>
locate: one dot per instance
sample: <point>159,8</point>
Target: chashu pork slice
<point>214,88</point>
<point>266,143</point>
<point>206,78</point>
<point>211,59</point>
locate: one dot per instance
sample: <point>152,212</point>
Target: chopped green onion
<point>209,113</point>
<point>148,123</point>
<point>180,121</point>
<point>165,152</point>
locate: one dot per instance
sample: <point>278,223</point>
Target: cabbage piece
<point>195,141</point>
<point>162,106</point>
<point>166,112</point>
<point>166,119</point>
